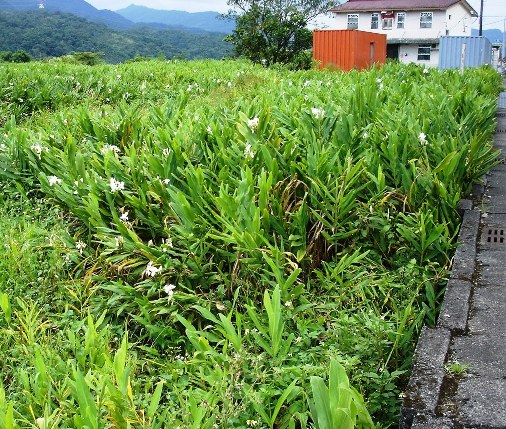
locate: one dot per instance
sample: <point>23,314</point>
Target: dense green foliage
<point>225,231</point>
<point>19,56</point>
<point>269,32</point>
<point>43,34</point>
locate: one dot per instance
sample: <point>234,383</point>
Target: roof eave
<point>376,9</point>
<point>401,41</point>
<point>373,9</point>
<point>469,8</point>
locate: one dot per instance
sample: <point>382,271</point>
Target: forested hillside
<point>208,21</point>
<point>492,34</point>
<point>79,8</point>
<point>43,34</point>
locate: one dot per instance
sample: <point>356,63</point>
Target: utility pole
<point>503,59</point>
<point>481,18</point>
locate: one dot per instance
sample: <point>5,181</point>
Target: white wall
<point>456,19</point>
<point>409,54</point>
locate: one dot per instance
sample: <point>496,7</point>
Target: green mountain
<point>207,21</point>
<point>494,35</point>
<point>77,7</point>
<point>45,34</point>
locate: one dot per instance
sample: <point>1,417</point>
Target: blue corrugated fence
<point>474,50</point>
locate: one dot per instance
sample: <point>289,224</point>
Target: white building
<point>412,28</point>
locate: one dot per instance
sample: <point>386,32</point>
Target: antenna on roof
<point>41,4</point>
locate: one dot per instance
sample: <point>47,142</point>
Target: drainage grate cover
<point>501,114</point>
<point>500,130</point>
<point>495,235</point>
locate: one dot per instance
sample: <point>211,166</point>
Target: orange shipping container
<point>349,49</point>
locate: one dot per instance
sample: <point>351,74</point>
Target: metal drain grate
<point>500,130</point>
<point>501,114</point>
<point>496,235</point>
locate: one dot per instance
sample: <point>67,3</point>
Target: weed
<point>457,369</point>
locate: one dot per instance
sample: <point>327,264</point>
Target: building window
<point>352,21</point>
<point>374,20</point>
<point>387,20</point>
<point>426,20</point>
<point>387,23</point>
<point>401,18</point>
<point>423,53</point>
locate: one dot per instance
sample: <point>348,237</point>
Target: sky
<point>494,11</point>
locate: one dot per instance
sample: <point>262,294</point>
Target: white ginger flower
<point>38,149</point>
<point>318,113</point>
<point>116,185</point>
<point>80,246</point>
<point>53,180</point>
<point>110,147</point>
<point>152,270</point>
<point>248,152</point>
<point>169,290</point>
<point>253,123</point>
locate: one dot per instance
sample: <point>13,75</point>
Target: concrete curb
<point>425,384</point>
<point>464,261</point>
<point>422,393</point>
<point>455,308</point>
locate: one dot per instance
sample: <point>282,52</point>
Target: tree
<point>88,58</point>
<point>273,31</point>
<point>19,56</point>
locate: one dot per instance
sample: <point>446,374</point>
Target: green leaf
<point>231,334</point>
<point>5,306</point>
<point>281,400</point>
<point>9,421</point>
<point>155,400</point>
<point>320,404</point>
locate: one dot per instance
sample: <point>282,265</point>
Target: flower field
<point>219,245</point>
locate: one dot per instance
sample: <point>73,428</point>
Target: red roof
<point>377,5</point>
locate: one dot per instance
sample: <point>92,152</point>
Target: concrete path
<point>471,330</point>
